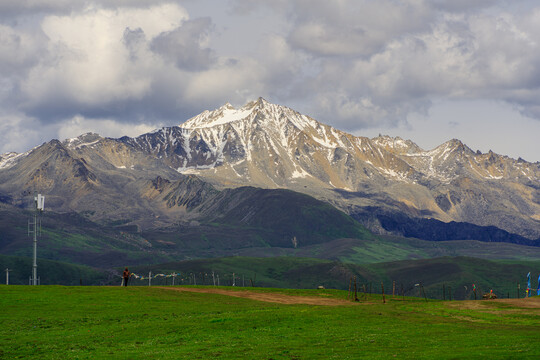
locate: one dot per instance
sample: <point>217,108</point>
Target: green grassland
<point>52,272</point>
<point>51,322</point>
<point>453,275</point>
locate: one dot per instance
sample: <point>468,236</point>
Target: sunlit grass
<point>48,322</point>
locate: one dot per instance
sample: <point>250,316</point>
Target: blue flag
<point>538,290</point>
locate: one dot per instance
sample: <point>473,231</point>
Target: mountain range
<point>242,166</point>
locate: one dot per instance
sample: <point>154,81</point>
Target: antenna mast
<point>39,205</point>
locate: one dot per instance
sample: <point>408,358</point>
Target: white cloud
<point>352,63</point>
<point>239,79</point>
<point>383,69</point>
<point>87,62</point>
<point>78,125</point>
<point>18,50</point>
<point>355,27</point>
<point>19,133</point>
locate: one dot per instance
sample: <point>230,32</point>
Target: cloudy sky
<point>425,70</point>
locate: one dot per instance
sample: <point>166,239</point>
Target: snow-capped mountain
<point>272,146</point>
<point>269,145</point>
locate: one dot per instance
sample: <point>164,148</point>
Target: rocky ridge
<point>271,146</point>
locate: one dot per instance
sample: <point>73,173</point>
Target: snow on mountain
<point>397,144</point>
<point>10,159</point>
<point>7,159</point>
<point>272,146</point>
<point>225,114</point>
<point>269,145</point>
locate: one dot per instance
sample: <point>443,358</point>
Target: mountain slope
<point>271,146</point>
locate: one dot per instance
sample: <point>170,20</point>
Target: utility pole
<point>34,227</point>
<point>7,276</point>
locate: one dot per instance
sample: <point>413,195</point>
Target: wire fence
<point>189,278</point>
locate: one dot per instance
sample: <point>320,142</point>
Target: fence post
<point>149,278</point>
<point>364,290</point>
<point>423,292</point>
<point>382,288</point>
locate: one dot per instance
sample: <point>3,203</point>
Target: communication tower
<point>34,227</point>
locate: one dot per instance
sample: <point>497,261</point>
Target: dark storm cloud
<point>182,45</point>
<point>17,8</point>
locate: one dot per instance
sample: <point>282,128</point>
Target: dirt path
<point>526,303</point>
<point>267,297</point>
<point>529,303</point>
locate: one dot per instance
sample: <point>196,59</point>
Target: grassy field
<point>49,322</point>
<point>454,275</point>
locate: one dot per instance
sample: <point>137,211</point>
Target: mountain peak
<point>86,139</point>
<point>228,114</point>
<point>396,144</point>
<point>454,145</point>
<point>223,115</point>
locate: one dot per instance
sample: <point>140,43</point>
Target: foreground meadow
<point>51,322</point>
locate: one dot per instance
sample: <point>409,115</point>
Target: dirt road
<point>527,303</point>
<point>268,297</point>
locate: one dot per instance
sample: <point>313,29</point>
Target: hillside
<point>53,272</point>
<point>271,146</point>
<point>220,223</point>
